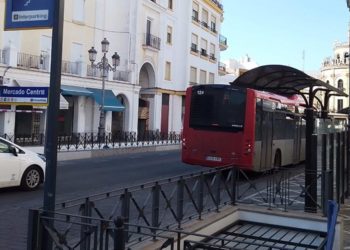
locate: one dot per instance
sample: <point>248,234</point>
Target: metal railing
<point>152,41</point>
<point>222,40</point>
<point>93,71</point>
<point>70,67</point>
<point>2,56</point>
<point>31,61</point>
<point>222,66</point>
<point>90,141</point>
<point>121,75</point>
<point>165,205</point>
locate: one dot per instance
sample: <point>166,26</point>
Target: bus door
<point>266,143</point>
<point>297,140</point>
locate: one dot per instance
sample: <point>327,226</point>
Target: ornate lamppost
<point>104,67</point>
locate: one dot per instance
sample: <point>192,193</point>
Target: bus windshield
<point>217,108</point>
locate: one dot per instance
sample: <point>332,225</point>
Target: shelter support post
<point>310,164</point>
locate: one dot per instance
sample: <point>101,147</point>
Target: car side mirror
<point>13,150</point>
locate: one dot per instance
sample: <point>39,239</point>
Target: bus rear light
<point>248,148</point>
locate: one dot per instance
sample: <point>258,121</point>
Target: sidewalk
<point>83,154</point>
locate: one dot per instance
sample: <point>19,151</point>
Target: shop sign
<point>37,96</point>
<point>29,14</point>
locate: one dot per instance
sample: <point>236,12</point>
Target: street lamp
<point>104,67</point>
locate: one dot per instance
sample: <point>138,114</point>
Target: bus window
<point>217,109</point>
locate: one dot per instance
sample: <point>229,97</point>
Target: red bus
<point>255,130</point>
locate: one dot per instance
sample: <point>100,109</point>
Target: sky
<point>282,31</point>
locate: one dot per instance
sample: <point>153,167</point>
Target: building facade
<point>158,60</point>
<point>335,71</point>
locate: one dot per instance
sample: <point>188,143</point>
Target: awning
<point>111,103</point>
<point>25,83</point>
<point>75,91</point>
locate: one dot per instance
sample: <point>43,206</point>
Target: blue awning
<point>75,91</point>
<point>111,103</point>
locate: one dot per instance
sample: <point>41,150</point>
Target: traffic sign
<point>29,14</point>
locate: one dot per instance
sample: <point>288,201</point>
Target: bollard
<point>200,195</point>
<point>180,201</point>
<point>155,206</point>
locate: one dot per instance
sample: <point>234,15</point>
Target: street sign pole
<point>52,117</point>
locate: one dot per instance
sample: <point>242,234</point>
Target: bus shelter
<point>287,81</point>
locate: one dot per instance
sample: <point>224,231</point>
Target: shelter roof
<point>282,80</point>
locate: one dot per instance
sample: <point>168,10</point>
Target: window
<point>211,78</point>
<point>169,35</point>
<point>203,77</point>
<point>213,24</point>
<point>195,10</point>
<point>340,84</point>
<point>194,44</point>
<point>79,10</point>
<point>205,18</point>
<point>212,52</point>
<point>168,71</point>
<point>193,75</point>
<point>4,147</point>
<point>170,4</point>
<point>204,45</point>
<point>340,104</point>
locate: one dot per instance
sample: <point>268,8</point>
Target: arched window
<point>340,84</point>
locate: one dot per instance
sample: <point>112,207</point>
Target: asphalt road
<point>84,177</point>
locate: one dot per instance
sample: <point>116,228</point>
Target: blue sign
<point>29,14</point>
<point>24,95</point>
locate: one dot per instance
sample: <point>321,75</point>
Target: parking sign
<point>28,14</point>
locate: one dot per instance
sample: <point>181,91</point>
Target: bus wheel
<point>277,161</point>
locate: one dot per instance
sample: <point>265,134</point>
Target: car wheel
<point>31,178</point>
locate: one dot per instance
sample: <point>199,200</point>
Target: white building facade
<point>154,39</point>
<point>335,71</point>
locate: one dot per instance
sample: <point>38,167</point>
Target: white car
<point>20,166</point>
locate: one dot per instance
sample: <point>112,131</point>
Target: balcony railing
<point>2,56</point>
<point>205,24</point>
<point>70,67</point>
<point>204,53</point>
<point>94,72</point>
<point>121,75</point>
<point>194,48</point>
<point>217,3</point>
<point>212,57</point>
<point>32,61</point>
<point>223,40</point>
<point>152,41</point>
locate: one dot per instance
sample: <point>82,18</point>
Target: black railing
<point>105,220</point>
<point>212,57</point>
<point>90,141</point>
<point>204,53</point>
<point>205,24</point>
<point>152,41</point>
<point>166,205</point>
<point>194,48</point>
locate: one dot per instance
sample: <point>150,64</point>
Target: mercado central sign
<point>37,96</point>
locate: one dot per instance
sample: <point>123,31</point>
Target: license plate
<point>213,158</point>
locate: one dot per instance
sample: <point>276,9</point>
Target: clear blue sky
<point>278,31</point>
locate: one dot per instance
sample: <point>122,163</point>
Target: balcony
<point>222,68</point>
<point>217,4</point>
<point>93,72</point>
<point>195,16</point>
<point>71,68</point>
<point>121,75</point>
<point>204,53</point>
<point>212,58</point>
<point>194,48</point>
<point>223,43</point>
<point>205,25</point>
<point>2,56</point>
<point>152,41</point>
<point>32,61</point>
